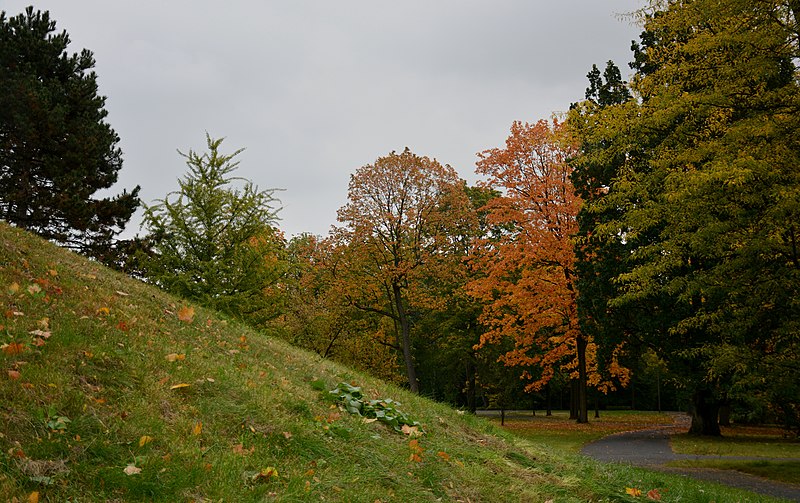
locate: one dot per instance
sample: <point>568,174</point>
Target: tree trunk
<point>583,412</point>
<point>705,411</point>
<point>471,406</point>
<point>405,338</point>
<point>573,399</point>
<point>596,404</point>
<point>549,405</point>
<point>725,414</point>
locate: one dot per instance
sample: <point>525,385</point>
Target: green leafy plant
<point>384,410</point>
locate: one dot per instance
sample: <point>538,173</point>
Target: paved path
<point>651,449</point>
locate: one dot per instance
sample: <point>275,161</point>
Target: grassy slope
<point>252,402</point>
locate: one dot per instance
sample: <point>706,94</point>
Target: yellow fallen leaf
<point>172,357</point>
<point>198,428</point>
<point>145,440</point>
<point>53,272</point>
<point>13,288</point>
<point>33,497</point>
<point>103,311</point>
<point>633,492</point>
<point>180,386</point>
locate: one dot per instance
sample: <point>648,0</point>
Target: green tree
<point>215,242</point>
<point>56,150</point>
<point>707,196</point>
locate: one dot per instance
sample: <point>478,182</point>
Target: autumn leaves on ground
<point>113,390</point>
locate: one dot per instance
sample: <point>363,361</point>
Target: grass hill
<point>111,390</point>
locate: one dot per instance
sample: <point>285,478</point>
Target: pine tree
<point>56,150</point>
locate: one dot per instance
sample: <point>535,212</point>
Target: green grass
<point>782,471</point>
<point>115,398</point>
<point>740,441</point>
<point>565,435</point>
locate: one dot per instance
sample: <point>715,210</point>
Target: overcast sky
<point>314,89</point>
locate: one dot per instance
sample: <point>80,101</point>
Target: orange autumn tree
<point>527,267</point>
<point>400,237</point>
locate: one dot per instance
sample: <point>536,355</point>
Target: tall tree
<point>528,282</point>
<point>56,150</point>
<point>402,214</point>
<point>215,242</point>
<point>709,194</point>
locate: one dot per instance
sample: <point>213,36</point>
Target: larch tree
<point>56,148</point>
<point>215,240</point>
<point>528,270</point>
<point>398,231</point>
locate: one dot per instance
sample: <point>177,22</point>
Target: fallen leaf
<point>105,311</point>
<point>267,473</point>
<point>41,333</point>
<point>172,357</point>
<point>13,288</point>
<point>13,348</point>
<point>654,495</point>
<point>121,294</point>
<point>632,491</point>
<point>132,470</point>
<point>180,386</point>
<point>186,314</point>
<point>53,272</point>
<point>240,450</point>
<point>39,342</point>
<point>33,497</point>
<point>287,435</point>
<point>13,375</point>
<point>123,326</point>
<point>145,440</point>
<point>411,431</point>
<point>443,455</point>
<point>34,289</point>
<point>197,429</point>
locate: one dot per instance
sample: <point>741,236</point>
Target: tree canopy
<point>703,195</point>
<point>56,148</point>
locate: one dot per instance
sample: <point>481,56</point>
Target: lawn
<point>565,435</point>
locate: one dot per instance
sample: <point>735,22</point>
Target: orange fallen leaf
<point>13,375</point>
<point>38,342</point>
<point>186,314</point>
<point>654,495</point>
<point>13,348</point>
<point>123,326</point>
<point>197,429</point>
<point>443,455</point>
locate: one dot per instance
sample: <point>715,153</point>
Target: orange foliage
<point>527,268</point>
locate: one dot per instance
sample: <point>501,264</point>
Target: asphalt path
<point>651,449</point>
